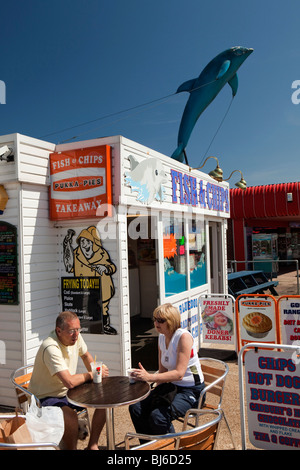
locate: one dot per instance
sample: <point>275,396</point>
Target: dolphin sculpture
<point>203,90</point>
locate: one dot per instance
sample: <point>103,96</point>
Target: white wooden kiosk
<point>165,241</point>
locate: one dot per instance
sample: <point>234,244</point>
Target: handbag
<point>163,395</point>
<point>45,424</point>
<point>13,430</point>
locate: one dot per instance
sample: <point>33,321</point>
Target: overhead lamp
<point>216,174</point>
<point>240,184</point>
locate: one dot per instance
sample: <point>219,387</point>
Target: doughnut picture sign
<point>257,319</point>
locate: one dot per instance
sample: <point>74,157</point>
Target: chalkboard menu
<point>8,264</point>
<point>83,296</point>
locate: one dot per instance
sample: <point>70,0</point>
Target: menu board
<point>257,319</point>
<point>289,314</point>
<point>82,295</point>
<point>272,391</point>
<point>8,264</point>
<point>217,320</point>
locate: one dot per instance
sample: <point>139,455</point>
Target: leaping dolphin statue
<point>203,90</point>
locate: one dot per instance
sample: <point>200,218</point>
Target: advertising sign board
<point>80,182</point>
<point>256,319</point>
<point>273,399</point>
<point>217,319</point>
<point>289,314</point>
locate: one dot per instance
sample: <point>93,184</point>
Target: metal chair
<point>202,437</point>
<point>20,379</point>
<point>34,445</point>
<point>23,446</point>
<point>215,372</point>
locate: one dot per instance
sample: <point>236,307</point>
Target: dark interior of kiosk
<point>143,291</point>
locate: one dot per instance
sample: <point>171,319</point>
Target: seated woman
<point>179,364</point>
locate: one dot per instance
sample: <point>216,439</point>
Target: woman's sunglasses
<point>159,320</point>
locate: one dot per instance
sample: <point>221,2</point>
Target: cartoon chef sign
<point>90,259</point>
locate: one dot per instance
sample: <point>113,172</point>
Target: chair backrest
<point>206,436</point>
<point>202,437</point>
<point>215,372</point>
<point>21,378</point>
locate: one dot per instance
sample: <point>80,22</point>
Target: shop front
<point>109,229</point>
<point>265,225</point>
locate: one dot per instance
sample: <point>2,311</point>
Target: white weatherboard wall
<point>23,326</point>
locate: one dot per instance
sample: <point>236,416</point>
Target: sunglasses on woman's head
<point>159,320</point>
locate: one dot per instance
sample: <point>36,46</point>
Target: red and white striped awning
<point>271,200</point>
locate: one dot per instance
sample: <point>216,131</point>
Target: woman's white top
<point>193,375</point>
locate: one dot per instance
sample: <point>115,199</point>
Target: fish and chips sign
<point>80,182</point>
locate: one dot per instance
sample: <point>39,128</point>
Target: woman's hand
<point>141,374</point>
<point>105,371</point>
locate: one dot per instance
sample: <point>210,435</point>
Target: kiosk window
<point>174,256</point>
<point>197,253</point>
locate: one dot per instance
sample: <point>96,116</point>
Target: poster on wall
<point>289,314</point>
<point>83,296</point>
<point>273,399</point>
<point>80,183</point>
<point>92,287</point>
<point>217,319</point>
<point>189,318</point>
<point>256,319</point>
<point>8,264</point>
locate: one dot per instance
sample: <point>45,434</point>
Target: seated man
<point>54,373</point>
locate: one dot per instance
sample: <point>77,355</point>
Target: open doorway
<point>215,247</point>
<point>143,294</point>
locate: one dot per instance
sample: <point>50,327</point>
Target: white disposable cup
<point>130,376</point>
<point>97,371</point>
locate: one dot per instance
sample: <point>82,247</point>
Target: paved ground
<point>288,283</point>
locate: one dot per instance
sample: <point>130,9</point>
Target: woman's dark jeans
<point>159,420</point>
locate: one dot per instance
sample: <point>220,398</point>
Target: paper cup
<point>130,376</point>
<point>97,371</point>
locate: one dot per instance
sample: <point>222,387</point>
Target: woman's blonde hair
<point>169,313</point>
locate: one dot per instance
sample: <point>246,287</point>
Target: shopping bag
<point>14,430</point>
<point>45,424</point>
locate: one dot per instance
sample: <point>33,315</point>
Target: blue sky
<point>68,62</point>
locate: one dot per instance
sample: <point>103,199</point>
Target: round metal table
<point>111,393</point>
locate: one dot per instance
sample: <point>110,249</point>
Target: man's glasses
<point>74,330</point>
<point>159,320</point>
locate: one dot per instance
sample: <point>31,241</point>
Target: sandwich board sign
<point>272,381</point>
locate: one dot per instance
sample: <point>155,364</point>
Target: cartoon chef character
<point>90,259</point>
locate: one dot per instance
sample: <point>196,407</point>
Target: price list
<point>8,264</point>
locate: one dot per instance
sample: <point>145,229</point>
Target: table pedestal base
<point>110,431</point>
